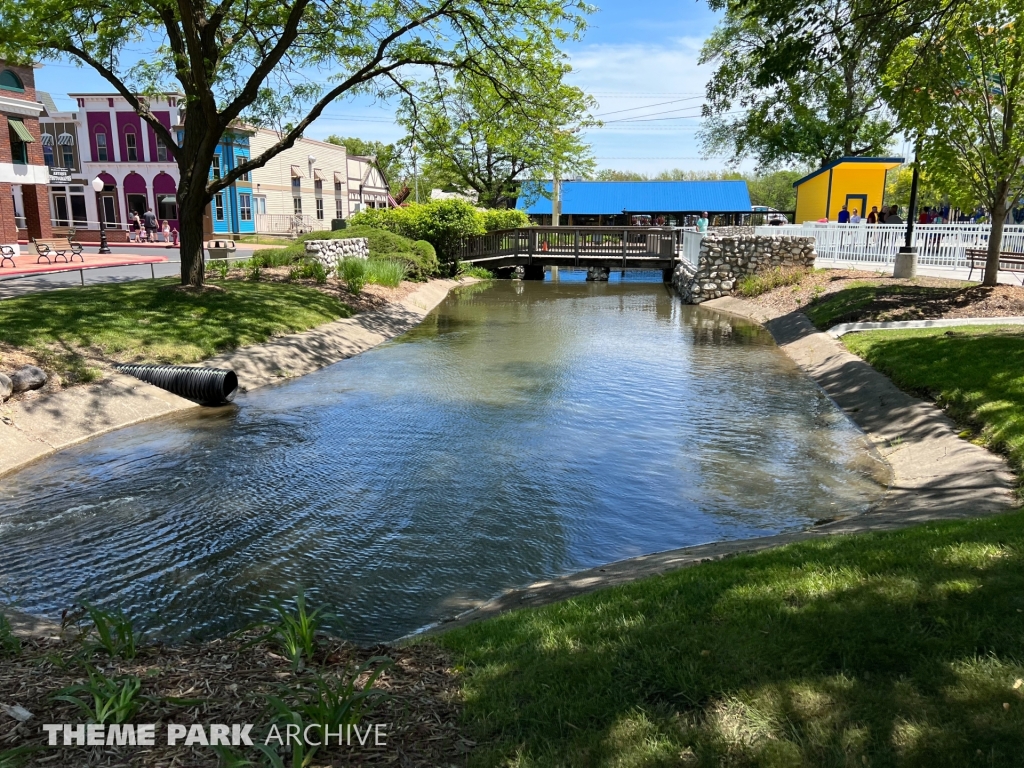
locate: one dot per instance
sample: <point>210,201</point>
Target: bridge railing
<point>579,242</point>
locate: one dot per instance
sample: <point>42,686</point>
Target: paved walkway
<point>934,474</point>
<point>27,264</point>
<point>34,428</point>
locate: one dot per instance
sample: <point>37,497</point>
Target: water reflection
<point>522,431</point>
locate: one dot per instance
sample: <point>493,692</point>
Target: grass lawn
<point>264,240</point>
<point>975,372</point>
<point>143,321</point>
<point>897,649</point>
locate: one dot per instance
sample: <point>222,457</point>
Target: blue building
<point>620,203</point>
<point>232,211</point>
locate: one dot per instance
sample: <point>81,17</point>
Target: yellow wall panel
<point>810,198</point>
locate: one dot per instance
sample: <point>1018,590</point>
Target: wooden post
<point>576,246</point>
<point>625,246</point>
<point>531,238</point>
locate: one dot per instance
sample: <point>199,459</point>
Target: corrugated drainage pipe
<point>208,386</point>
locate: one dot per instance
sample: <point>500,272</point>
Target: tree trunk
<point>193,257</point>
<point>995,238</point>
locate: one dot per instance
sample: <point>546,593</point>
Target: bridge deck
<point>612,247</point>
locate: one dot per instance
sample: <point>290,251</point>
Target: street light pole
<point>906,260</point>
<point>97,185</point>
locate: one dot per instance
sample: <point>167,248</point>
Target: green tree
<point>389,158</point>
<point>489,137</point>
<point>774,189</point>
<point>824,110</point>
<point>897,188</point>
<point>249,61</point>
<point>969,119</point>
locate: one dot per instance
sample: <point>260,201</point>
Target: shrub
<point>442,223</point>
<point>386,272</point>
<point>754,285</point>
<point>309,270</point>
<point>353,272</point>
<point>279,257</point>
<point>419,257</point>
<point>504,219</point>
<point>468,270</point>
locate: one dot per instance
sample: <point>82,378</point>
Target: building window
<point>48,155</point>
<point>218,202</point>
<point>338,212</point>
<point>244,207</point>
<point>243,159</point>
<point>78,212</point>
<point>167,207</point>
<point>215,167</point>
<point>296,185</point>
<point>261,204</point>
<point>161,151</point>
<point>11,82</point>
<point>69,157</point>
<point>101,146</point>
<point>320,208</point>
<point>337,186</point>
<point>297,205</point>
<point>59,216</point>
<point>132,146</point>
<point>318,187</point>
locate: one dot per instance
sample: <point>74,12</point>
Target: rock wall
<point>724,260</point>
<point>330,252</point>
<point>730,231</point>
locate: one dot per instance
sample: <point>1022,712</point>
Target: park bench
<point>57,249</point>
<point>7,254</point>
<point>1008,262</point>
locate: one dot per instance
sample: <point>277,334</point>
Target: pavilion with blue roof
<point>614,203</point>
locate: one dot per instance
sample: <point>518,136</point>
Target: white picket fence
<point>938,245</point>
<point>690,250</point>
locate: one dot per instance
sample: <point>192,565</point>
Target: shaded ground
<point>896,649</point>
<point>224,682</point>
<point>834,296</point>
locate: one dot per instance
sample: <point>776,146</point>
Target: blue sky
<point>638,59</point>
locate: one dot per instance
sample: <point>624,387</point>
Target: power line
<point>647,106</point>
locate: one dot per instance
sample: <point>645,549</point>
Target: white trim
<point>13,173</point>
<point>21,107</point>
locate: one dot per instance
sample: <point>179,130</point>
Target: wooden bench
<point>1014,262</point>
<point>58,249</point>
<point>7,254</point>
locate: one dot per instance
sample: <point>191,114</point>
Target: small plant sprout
<point>294,633</point>
<point>329,705</point>
<point>114,632</point>
<point>10,645</point>
<point>113,700</point>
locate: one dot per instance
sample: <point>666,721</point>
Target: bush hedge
<point>442,223</point>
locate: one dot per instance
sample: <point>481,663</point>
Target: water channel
<point>523,430</point>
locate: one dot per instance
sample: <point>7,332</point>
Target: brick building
<point>23,170</point>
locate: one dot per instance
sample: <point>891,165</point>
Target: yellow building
<point>856,182</point>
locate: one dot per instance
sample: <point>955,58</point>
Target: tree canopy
<point>472,139</point>
<point>389,158</point>
<point>277,63</point>
<point>813,113</point>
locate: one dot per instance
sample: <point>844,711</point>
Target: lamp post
<point>97,185</point>
<point>906,259</point>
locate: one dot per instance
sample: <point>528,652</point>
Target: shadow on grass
<point>884,649</point>
<point>141,321</point>
<point>975,372</point>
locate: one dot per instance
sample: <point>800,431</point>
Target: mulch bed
<point>230,680</point>
<point>923,298</point>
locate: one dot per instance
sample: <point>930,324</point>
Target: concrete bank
<point>32,429</point>
<point>935,475</point>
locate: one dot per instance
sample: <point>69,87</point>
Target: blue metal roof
<point>612,197</point>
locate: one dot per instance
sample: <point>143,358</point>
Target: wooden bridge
<point>607,247</point>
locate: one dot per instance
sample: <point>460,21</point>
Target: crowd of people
<point>891,215</point>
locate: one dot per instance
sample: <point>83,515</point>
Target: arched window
<point>10,81</point>
<point>101,145</point>
<point>131,145</point>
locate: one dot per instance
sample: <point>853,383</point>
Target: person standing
<point>844,216</point>
<point>894,216</point>
<point>855,217</point>
<point>702,223</point>
<point>150,222</point>
<point>873,216</point>
<point>165,231</point>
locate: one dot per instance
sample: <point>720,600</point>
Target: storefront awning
<point>65,140</point>
<point>20,130</point>
<point>318,175</point>
<point>46,139</point>
<point>338,178</point>
<point>297,172</point>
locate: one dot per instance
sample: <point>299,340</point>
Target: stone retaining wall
<point>330,252</point>
<point>724,260</point>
